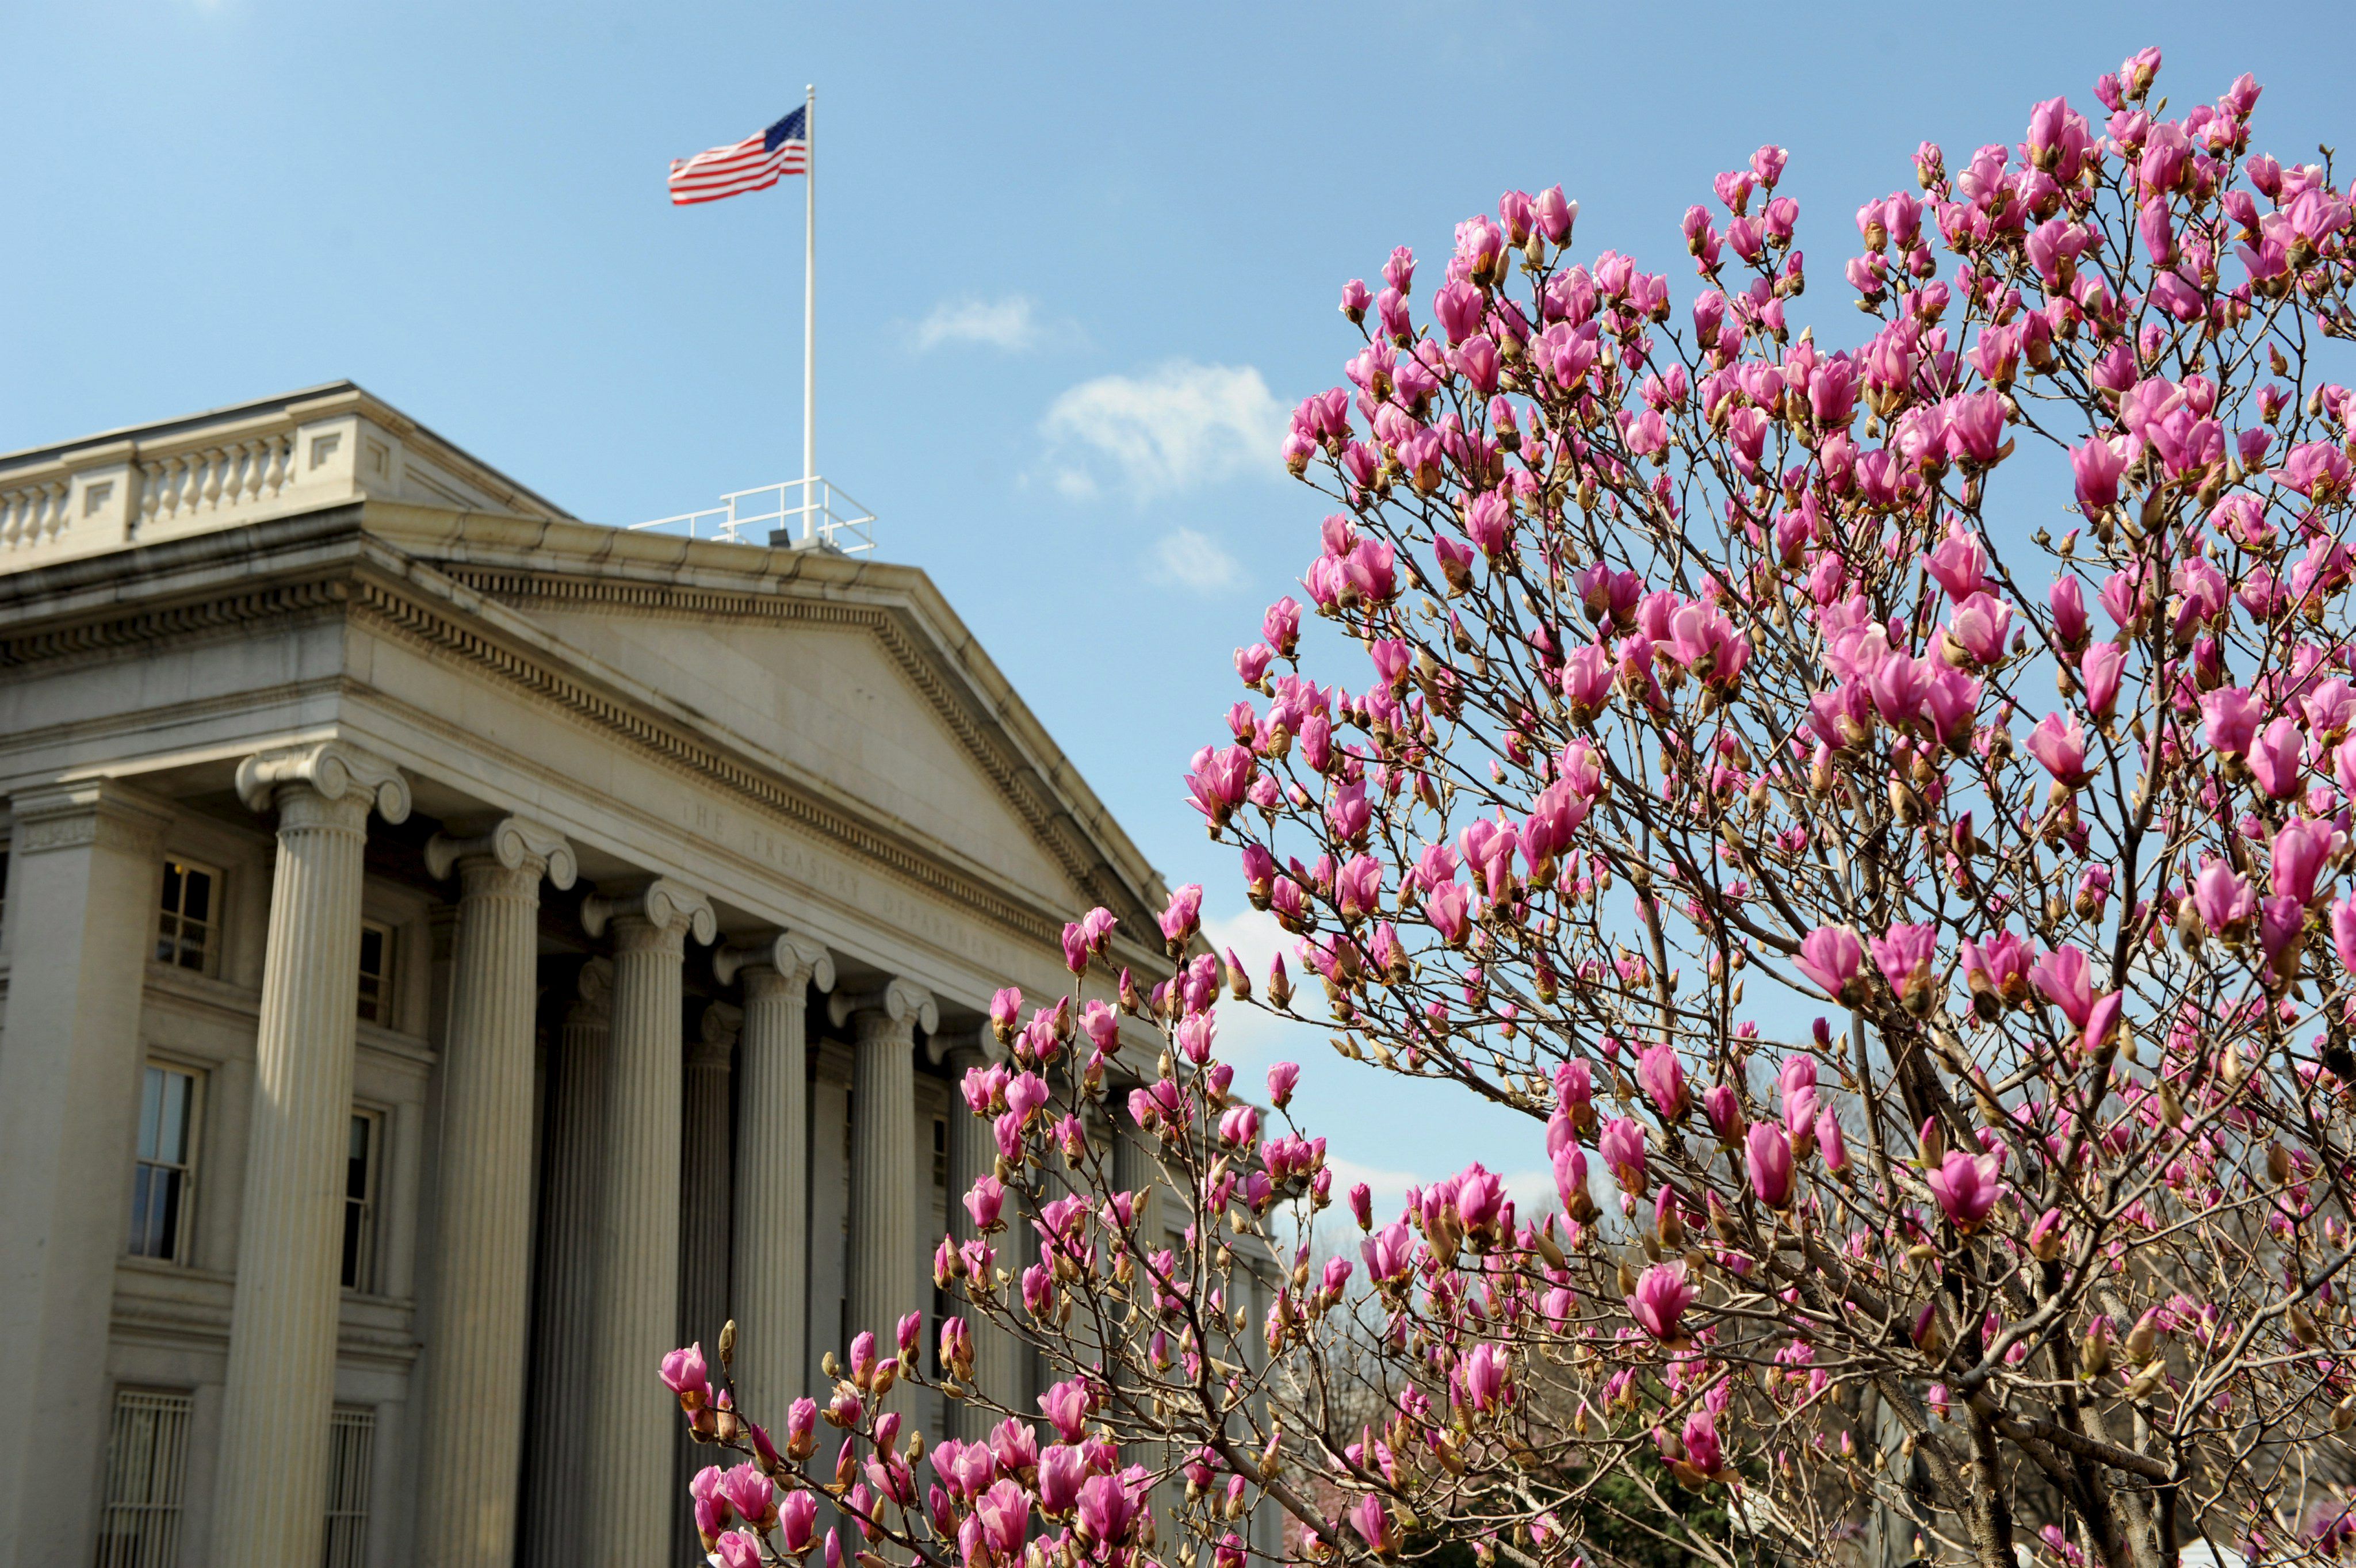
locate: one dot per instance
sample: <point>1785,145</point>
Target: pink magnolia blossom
<point>1183,917</point>
<point>2302,849</point>
<point>2274,758</point>
<point>1769,1157</point>
<point>1904,955</point>
<point>1966,1187</point>
<point>1723,1106</point>
<point>1061,1468</point>
<point>2101,666</point>
<point>683,1373</point>
<point>1106,1509</point>
<point>1833,957</point>
<point>1281,1078</point>
<point>2064,978</point>
<point>1664,1081</point>
<point>1622,1145</point>
<point>1660,1301</point>
<point>797,1521</point>
<point>2230,720</point>
<point>2060,744</point>
<point>751,1494</point>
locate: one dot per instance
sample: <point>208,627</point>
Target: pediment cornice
<point>894,629</point>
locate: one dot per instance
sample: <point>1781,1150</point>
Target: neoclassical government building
<point>451,953</point>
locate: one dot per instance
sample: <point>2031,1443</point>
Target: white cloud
<point>1168,429</point>
<point>1011,323</point>
<point>1195,561</point>
<point>1252,935</point>
<point>1253,1038</point>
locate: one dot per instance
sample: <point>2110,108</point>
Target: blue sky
<point>1075,263</point>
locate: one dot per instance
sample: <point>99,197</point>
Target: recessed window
<point>188,931</point>
<point>941,1153</point>
<point>159,1191</point>
<point>147,1465</point>
<point>376,973</point>
<point>363,1155</point>
<point>3,885</point>
<point>351,1449</point>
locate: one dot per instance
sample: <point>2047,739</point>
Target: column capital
<point>716,1035</point>
<point>798,958</point>
<point>671,907</point>
<point>514,843</point>
<point>592,995</point>
<point>901,1004</point>
<point>963,1048</point>
<point>333,770</point>
<point>86,811</point>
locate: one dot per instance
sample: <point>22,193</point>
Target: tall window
<point>941,1153</point>
<point>351,1447</point>
<point>159,1191</point>
<point>188,933</point>
<point>3,885</point>
<point>146,1461</point>
<point>376,973</point>
<point>361,1157</point>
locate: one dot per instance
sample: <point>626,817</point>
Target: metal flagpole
<point>810,311</point>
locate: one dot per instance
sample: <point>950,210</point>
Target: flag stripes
<point>756,163</point>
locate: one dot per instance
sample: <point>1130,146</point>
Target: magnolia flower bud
<point>1932,1147</point>
<point>2140,1339</point>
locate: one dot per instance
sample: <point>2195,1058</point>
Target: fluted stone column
<point>272,1477</point>
<point>471,1425</point>
<point>883,1154</point>
<point>80,929</point>
<point>705,1174</point>
<point>572,1169</point>
<point>973,1153</point>
<point>771,1283</point>
<point>635,1297</point>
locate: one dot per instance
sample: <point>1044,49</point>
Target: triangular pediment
<point>866,699</point>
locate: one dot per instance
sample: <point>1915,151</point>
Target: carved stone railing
<point>214,479</point>
<point>33,515</point>
<point>238,466</point>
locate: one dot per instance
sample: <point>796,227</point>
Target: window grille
<point>940,1154</point>
<point>146,1461</point>
<point>351,1447</point>
<point>159,1188</point>
<point>188,928</point>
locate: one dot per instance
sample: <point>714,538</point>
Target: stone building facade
<point>451,953</point>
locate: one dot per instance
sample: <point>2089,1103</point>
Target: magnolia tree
<point>1880,811</point>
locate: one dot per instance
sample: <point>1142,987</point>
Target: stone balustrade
<point>236,466</point>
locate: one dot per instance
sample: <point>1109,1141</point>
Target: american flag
<point>753,164</point>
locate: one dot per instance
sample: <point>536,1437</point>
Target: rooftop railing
<point>798,513</point>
